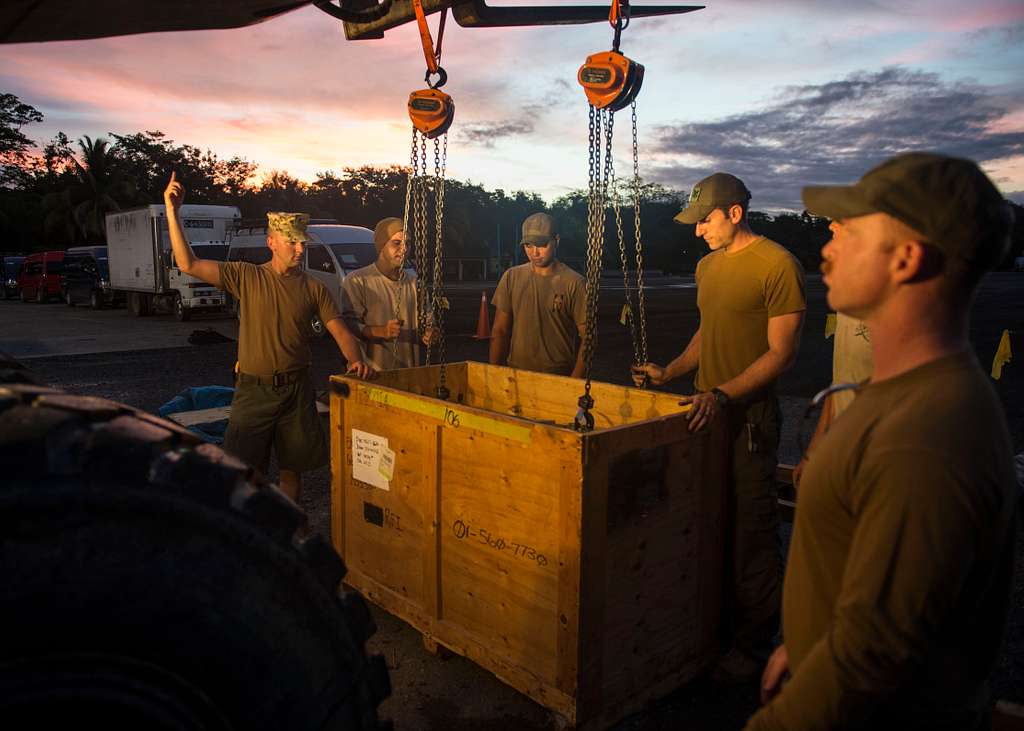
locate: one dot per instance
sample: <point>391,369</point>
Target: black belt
<point>277,380</point>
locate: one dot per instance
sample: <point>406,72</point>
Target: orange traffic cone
<point>483,324</point>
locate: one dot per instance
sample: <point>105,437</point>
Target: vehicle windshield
<point>354,256</point>
<point>12,267</point>
<point>216,252</point>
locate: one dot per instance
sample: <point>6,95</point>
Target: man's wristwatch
<point>721,397</point>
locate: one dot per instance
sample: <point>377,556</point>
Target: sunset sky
<point>781,93</point>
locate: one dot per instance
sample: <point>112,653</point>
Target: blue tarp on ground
<point>198,398</point>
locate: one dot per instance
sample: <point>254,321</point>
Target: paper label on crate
<point>387,464</point>
<point>367,450</point>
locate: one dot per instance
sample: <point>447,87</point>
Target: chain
<point>437,288</point>
<point>641,310</point>
<point>420,226</point>
<point>596,197</point>
<point>402,278</point>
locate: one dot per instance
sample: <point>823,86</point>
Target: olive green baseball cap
<point>539,229</point>
<point>949,201</point>
<point>290,225</point>
<point>715,191</point>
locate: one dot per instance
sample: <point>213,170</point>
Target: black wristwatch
<point>720,396</point>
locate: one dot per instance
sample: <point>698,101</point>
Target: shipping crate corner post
<point>582,569</point>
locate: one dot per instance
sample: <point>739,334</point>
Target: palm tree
<point>79,211</point>
<point>99,186</point>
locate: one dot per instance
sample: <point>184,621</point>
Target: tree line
<point>57,194</point>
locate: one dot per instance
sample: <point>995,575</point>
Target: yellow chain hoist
<point>611,82</point>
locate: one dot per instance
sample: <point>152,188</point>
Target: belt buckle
<point>280,380</point>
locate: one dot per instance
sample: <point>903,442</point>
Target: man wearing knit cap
<point>900,569</point>
<point>274,405</point>
<point>750,293</point>
<point>379,303</point>
<point>541,307</point>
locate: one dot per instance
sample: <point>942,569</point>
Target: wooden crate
<point>582,569</point>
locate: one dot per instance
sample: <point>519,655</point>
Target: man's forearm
<point>348,344</point>
<point>498,352</point>
<point>183,255</point>
<point>686,361</point>
<point>759,374</point>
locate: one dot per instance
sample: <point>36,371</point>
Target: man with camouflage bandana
<point>274,405</point>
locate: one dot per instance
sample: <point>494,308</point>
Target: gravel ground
<point>434,693</point>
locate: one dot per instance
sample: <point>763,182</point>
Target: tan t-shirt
<point>899,572</point>
<point>546,314</point>
<point>276,312</point>
<point>852,361</point>
<point>370,298</point>
<point>737,294</point>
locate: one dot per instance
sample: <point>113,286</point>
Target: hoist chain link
<point>437,287</point>
<point>420,225</point>
<point>597,191</point>
<point>641,321</point>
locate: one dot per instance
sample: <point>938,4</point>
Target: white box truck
<point>142,263</point>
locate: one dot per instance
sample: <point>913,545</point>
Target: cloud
<point>834,132</point>
<point>487,134</point>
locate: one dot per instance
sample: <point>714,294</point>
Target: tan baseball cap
<point>384,230</point>
<point>539,229</point>
<point>290,225</point>
<point>948,200</point>
<point>715,191</point>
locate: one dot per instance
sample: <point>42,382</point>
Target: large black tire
<point>68,299</point>
<point>95,300</point>
<point>153,582</point>
<point>41,297</point>
<point>23,295</point>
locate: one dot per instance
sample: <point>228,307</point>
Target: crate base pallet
<point>582,569</point>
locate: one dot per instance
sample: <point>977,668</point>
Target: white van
<point>332,251</point>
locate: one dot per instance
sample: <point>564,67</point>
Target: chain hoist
<point>611,82</point>
<point>431,112</point>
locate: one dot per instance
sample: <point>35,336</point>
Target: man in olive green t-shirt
<point>541,307</point>
<point>900,569</point>
<point>273,405</point>
<point>750,292</point>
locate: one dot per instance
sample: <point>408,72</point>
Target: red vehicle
<point>40,276</point>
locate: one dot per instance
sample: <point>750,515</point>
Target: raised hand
<point>174,194</point>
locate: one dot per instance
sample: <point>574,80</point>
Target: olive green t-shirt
<point>371,298</point>
<point>899,572</point>
<point>547,313</point>
<point>276,312</point>
<point>737,294</point>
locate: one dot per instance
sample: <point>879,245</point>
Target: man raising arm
<point>273,406</point>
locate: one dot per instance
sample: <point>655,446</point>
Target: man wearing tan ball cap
<point>901,562</point>
<point>541,307</point>
<point>273,405</point>
<point>750,293</point>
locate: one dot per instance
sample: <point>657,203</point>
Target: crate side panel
<point>499,523</point>
<point>663,561</point>
<point>547,398</point>
<point>424,380</point>
<point>387,531</point>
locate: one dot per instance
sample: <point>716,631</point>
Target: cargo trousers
<point>753,561</point>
